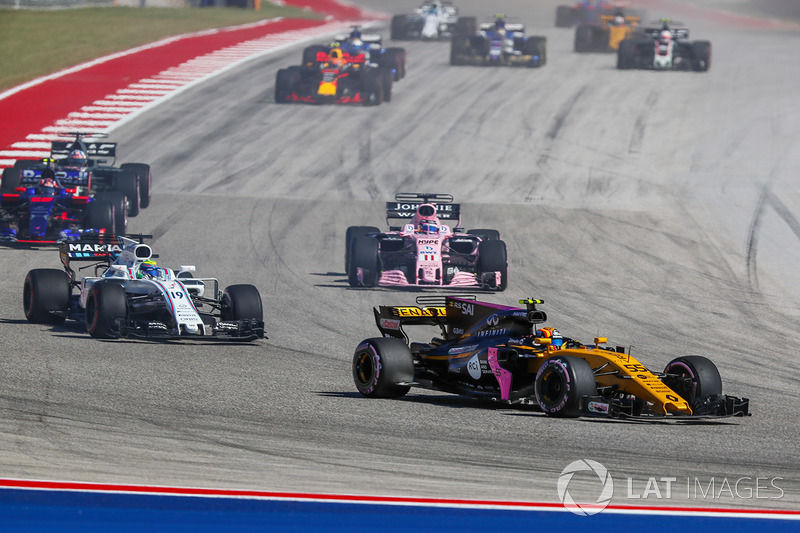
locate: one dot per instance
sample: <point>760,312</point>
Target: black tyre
<point>364,255</point>
<point>379,364</point>
<point>105,304</point>
<point>373,87</point>
<point>466,26</point>
<point>287,81</point>
<point>10,179</point>
<point>310,55</point>
<point>458,49</point>
<point>145,181</point>
<point>561,383</point>
<point>395,60</point>
<point>127,183</point>
<point>100,215</point>
<point>22,164</point>
<point>351,233</point>
<point>399,29</point>
<point>701,56</point>
<point>693,377</point>
<point>46,290</point>
<point>626,54</point>
<point>564,17</point>
<point>583,38</point>
<point>486,234</point>
<point>387,80</point>
<point>241,302</point>
<point>492,257</point>
<point>116,199</point>
<point>536,47</point>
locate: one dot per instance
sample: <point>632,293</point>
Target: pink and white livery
<point>429,249</point>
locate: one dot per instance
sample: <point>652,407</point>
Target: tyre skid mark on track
<point>564,111</point>
<point>766,199</point>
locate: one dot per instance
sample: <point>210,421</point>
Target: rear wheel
<point>22,164</point>
<point>693,377</point>
<point>364,256</point>
<point>46,290</point>
<point>379,364</point>
<point>701,56</point>
<point>287,81</point>
<point>352,233</point>
<point>458,49</point>
<point>583,38</point>
<point>395,59</point>
<point>626,54</point>
<point>466,26</point>
<point>105,305</point>
<point>492,257</point>
<point>127,183</point>
<point>145,181</point>
<point>561,383</point>
<point>100,216</point>
<point>313,54</point>
<point>398,28</point>
<point>117,199</point>
<point>242,302</point>
<point>10,179</point>
<point>564,17</point>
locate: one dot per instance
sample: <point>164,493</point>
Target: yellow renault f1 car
<point>501,353</point>
<point>605,35</point>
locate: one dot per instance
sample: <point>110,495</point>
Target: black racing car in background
<point>664,47</point>
<point>502,353</point>
<point>127,187</point>
<point>496,43</point>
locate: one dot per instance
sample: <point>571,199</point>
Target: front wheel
<point>693,377</point>
<point>105,305</point>
<point>127,183</point>
<point>701,56</point>
<point>144,174</point>
<point>45,296</point>
<point>364,255</point>
<point>561,383</point>
<point>493,257</point>
<point>382,367</point>
<point>242,302</point>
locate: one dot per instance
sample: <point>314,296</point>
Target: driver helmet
<point>76,158</point>
<point>355,34</point>
<point>665,36</point>
<point>47,187</point>
<point>335,56</point>
<point>428,228</point>
<point>426,214</point>
<point>149,269</point>
<point>499,23</point>
<point>556,339</point>
<point>619,20</point>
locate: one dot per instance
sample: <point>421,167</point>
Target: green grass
<point>34,43</point>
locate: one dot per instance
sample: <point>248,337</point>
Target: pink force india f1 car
<point>425,251</point>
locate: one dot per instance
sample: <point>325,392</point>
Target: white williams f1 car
<point>134,297</point>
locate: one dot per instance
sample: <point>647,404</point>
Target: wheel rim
<point>364,368</point>
<point>552,387</point>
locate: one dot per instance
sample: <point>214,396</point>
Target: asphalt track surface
<point>657,209</point>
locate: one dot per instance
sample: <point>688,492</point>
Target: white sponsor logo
<point>606,492</point>
<point>474,367</point>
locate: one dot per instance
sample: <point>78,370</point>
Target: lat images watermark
<point>585,487</point>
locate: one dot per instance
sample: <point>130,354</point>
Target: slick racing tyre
<point>105,304</point>
<point>10,179</point>
<point>387,80</point>
<point>286,83</point>
<point>379,364</point>
<point>583,38</point>
<point>492,257</point>
<point>693,377</point>
<point>22,164</point>
<point>127,183</point>
<point>373,87</point>
<point>561,383</point>
<point>459,45</point>
<point>701,56</point>
<point>117,199</point>
<point>399,30</point>
<point>394,59</point>
<point>241,302</point>
<point>626,54</point>
<point>466,26</point>
<point>564,17</point>
<point>46,290</point>
<point>145,181</point>
<point>100,215</point>
<point>351,233</point>
<point>364,255</point>
<point>485,234</point>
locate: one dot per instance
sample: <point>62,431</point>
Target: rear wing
<point>92,149</point>
<point>65,178</point>
<point>631,20</point>
<point>677,33</point>
<point>98,248</point>
<point>510,27</point>
<point>429,311</point>
<point>372,38</point>
<point>406,204</point>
